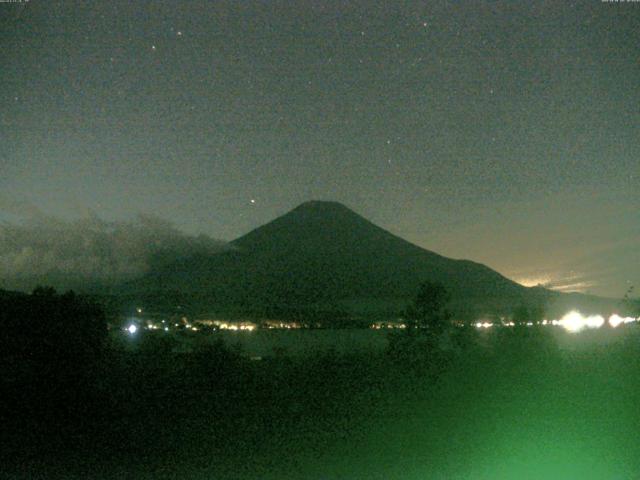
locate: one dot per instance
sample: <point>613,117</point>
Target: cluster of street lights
<point>574,321</point>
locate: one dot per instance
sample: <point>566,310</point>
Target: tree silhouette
<point>525,314</point>
<point>520,316</point>
<point>629,304</point>
<point>50,335</point>
<point>428,312</point>
<point>427,319</point>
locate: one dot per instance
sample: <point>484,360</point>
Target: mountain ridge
<point>323,255</point>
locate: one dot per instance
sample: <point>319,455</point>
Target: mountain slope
<point>334,245</point>
<point>322,253</point>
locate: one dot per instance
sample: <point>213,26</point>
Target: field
<point>540,404</point>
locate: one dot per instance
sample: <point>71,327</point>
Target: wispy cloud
<point>563,280</point>
<point>92,249</point>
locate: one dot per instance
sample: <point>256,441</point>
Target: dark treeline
<point>48,336</point>
<point>51,346</point>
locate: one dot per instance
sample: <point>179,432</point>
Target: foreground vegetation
<point>502,404</point>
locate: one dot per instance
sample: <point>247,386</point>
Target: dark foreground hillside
<point>499,405</point>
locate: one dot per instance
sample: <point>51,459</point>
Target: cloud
<point>563,280</point>
<point>19,208</point>
<point>44,248</point>
<point>609,270</point>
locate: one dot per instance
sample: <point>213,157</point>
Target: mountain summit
<point>311,219</point>
<point>316,227</point>
<point>320,255</point>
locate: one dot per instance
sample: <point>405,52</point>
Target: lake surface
<point>304,342</point>
<point>265,343</point>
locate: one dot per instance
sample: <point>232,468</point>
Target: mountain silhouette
<point>324,255</point>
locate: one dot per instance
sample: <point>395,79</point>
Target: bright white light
<point>572,322</point>
<point>166,329</point>
<point>594,321</point>
<point>484,325</point>
<point>615,320</point>
<point>132,329</point>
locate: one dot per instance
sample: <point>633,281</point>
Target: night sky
<point>503,132</point>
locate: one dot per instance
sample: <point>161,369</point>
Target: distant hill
<point>322,256</point>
